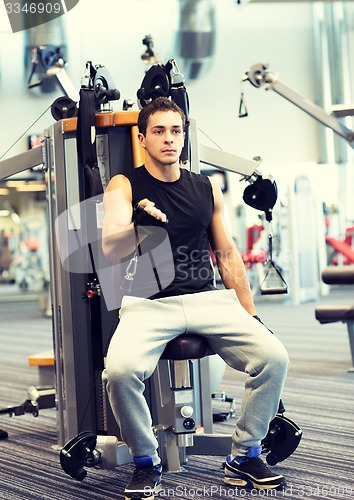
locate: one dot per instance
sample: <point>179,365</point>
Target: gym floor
<point>318,396</point>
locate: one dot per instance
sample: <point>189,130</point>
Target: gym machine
<point>339,275</point>
<point>83,317</point>
<point>304,280</point>
<point>260,76</point>
<point>48,62</point>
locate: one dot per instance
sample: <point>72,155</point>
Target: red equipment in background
<point>342,247</point>
<point>251,256</point>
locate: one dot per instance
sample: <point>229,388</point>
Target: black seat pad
<point>331,314</point>
<point>187,346</point>
<point>338,275</point>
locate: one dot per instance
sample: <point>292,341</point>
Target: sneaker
<point>146,480</point>
<point>251,473</point>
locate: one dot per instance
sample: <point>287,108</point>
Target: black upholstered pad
<point>338,275</point>
<point>331,314</point>
<point>187,346</point>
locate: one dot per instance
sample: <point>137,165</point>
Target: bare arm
<point>118,238</point>
<point>118,235</point>
<point>229,261</point>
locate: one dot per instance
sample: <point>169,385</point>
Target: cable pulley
<point>262,195</point>
<point>156,83</point>
<point>63,107</point>
<point>273,282</point>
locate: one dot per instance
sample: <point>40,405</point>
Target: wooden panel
<point>138,151</point>
<point>42,359</point>
<point>105,120</point>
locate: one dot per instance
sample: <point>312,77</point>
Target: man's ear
<point>141,139</point>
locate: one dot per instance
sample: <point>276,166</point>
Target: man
<point>193,206</point>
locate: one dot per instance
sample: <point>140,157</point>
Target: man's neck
<point>165,173</point>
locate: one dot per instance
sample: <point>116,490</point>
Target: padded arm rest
<point>334,275</point>
<point>331,314</point>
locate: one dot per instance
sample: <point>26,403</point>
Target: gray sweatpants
<point>244,343</point>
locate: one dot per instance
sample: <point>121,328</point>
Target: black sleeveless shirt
<point>188,204</point>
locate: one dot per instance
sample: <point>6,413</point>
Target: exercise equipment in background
<point>196,36</point>
<point>262,195</point>
<point>339,275</point>
<point>342,248</point>
<point>273,282</point>
<point>259,75</point>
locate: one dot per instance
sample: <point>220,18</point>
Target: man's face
<point>164,138</point>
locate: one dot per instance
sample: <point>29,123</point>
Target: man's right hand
<point>149,208</point>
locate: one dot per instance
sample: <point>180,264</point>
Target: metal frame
<point>259,76</point>
<point>350,327</point>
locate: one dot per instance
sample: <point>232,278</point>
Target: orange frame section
<point>116,119</point>
<point>44,359</point>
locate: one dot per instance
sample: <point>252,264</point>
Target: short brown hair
<point>158,104</point>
